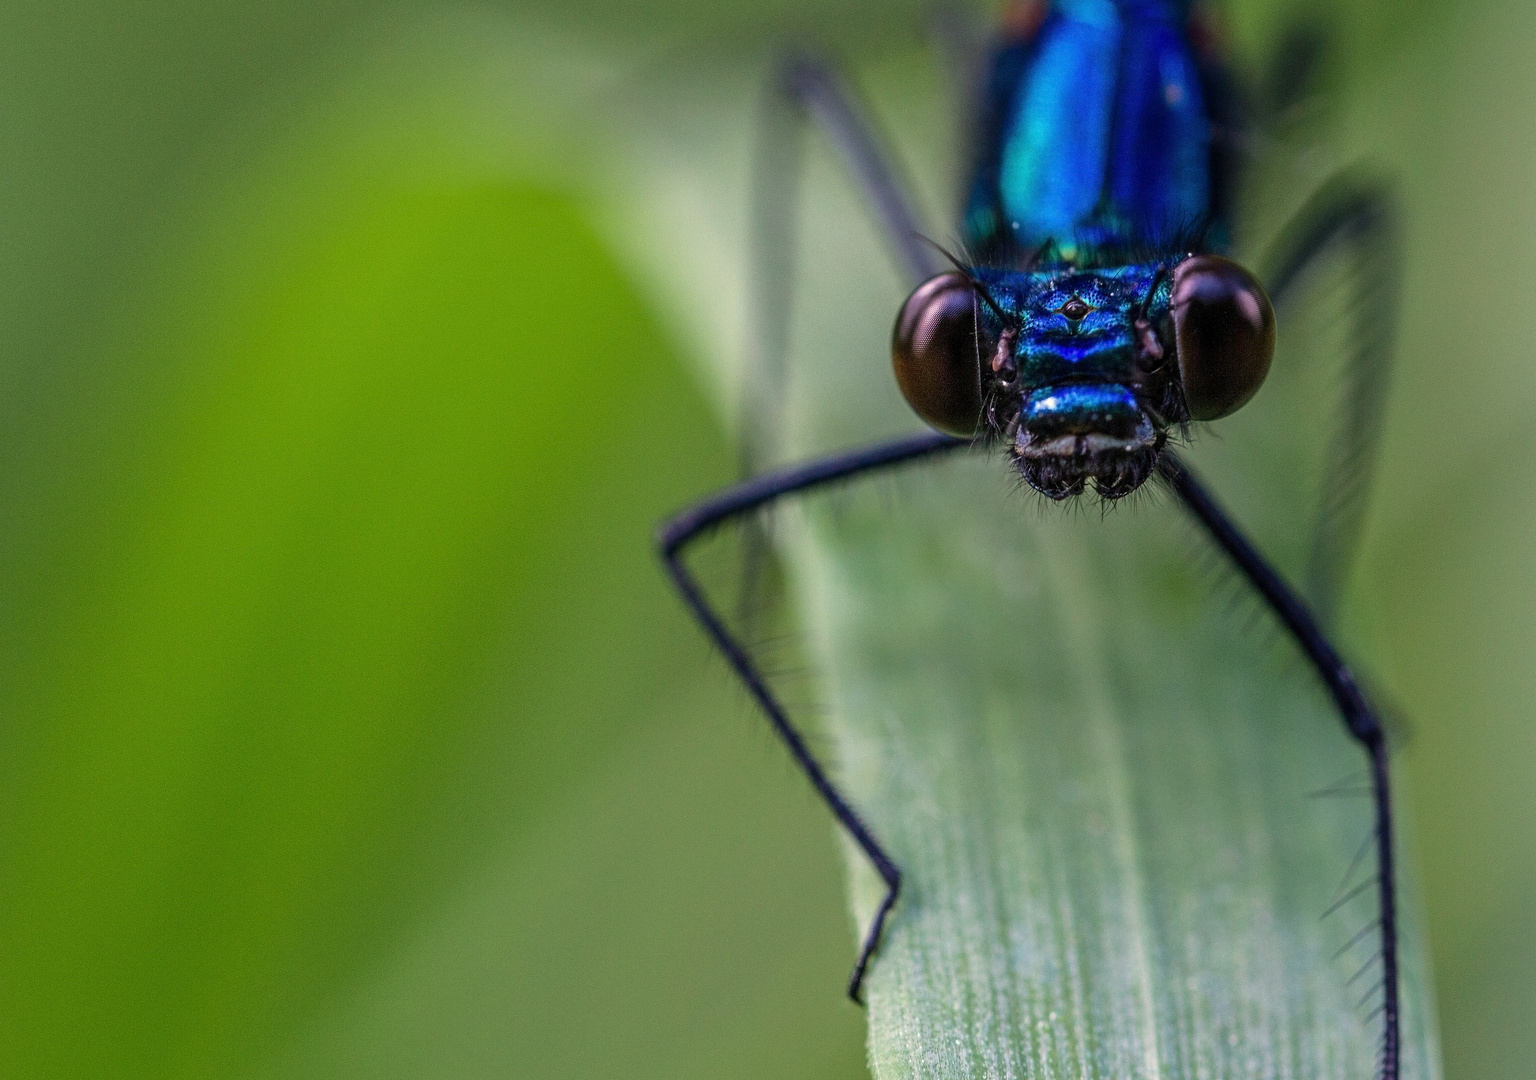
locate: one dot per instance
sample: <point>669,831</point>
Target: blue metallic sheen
<point>1051,175</point>
<point>1098,170</point>
<point>1102,406</point>
<point>1052,349</point>
<point>1099,133</point>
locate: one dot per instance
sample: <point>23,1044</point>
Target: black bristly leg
<point>743,499</point>
<point>1358,212</point>
<point>801,87</point>
<point>1359,716</point>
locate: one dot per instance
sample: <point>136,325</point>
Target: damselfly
<point>1089,318</point>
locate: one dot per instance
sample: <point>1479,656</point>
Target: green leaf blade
<point>1095,780</point>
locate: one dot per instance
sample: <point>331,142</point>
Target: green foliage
<point>1096,781</point>
<point>347,727</point>
<point>336,631</point>
<point>1092,766</point>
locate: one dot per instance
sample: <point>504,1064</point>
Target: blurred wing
<point>1296,464</point>
<point>1343,243</point>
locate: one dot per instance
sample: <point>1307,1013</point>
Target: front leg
<point>1358,715</point>
<point>745,498</point>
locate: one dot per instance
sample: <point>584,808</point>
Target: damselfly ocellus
<point>1086,319</point>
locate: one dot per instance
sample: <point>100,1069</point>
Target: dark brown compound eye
<point>933,350</point>
<point>1224,329</point>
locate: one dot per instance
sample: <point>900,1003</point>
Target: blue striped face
<point>1080,379</point>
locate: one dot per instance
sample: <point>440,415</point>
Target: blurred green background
<point>346,726</point>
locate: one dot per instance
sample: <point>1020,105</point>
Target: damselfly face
<point>1081,373</point>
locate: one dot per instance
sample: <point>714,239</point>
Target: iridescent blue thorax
<point>1097,132</point>
<point>1096,173</point>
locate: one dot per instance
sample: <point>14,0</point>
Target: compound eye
<point>1224,329</point>
<point>934,352</point>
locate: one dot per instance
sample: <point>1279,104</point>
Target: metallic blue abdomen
<point>1098,134</point>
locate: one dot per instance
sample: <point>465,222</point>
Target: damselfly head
<point>1082,373</point>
